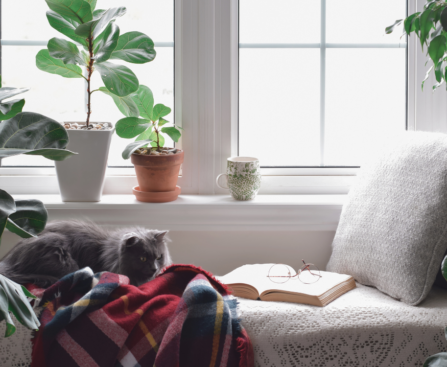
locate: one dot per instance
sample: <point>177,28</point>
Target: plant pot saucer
<point>156,197</point>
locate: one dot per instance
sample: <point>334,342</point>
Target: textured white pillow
<point>392,230</point>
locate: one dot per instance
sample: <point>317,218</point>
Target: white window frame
<point>206,106</point>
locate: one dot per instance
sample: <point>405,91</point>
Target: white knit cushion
<point>392,230</point>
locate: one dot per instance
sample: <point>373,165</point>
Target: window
<point>320,82</point>
<point>63,99</point>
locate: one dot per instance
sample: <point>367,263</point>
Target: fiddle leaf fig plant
<point>95,31</point>
<point>31,134</point>
<point>144,121</point>
<point>430,26</point>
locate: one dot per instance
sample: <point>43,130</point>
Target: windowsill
<point>206,212</point>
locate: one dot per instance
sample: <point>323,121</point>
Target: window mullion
<point>322,80</point>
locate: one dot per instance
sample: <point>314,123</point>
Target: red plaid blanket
<point>184,317</point>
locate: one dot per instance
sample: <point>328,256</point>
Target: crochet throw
<point>184,317</point>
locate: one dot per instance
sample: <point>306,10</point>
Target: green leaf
<point>134,47</point>
<point>130,127</point>
<point>144,99</point>
<point>77,10</point>
<point>426,24</point>
<point>17,303</point>
<point>65,26</point>
<point>4,314</point>
<point>161,139</point>
<point>49,153</point>
<point>92,4</point>
<point>107,43</point>
<point>437,48</point>
<point>427,75</point>
<point>31,133</point>
<point>390,28</point>
<point>162,122</point>
<point>132,147</point>
<point>125,104</point>
<point>160,110</point>
<point>7,207</point>
<point>409,23</point>
<point>8,92</point>
<point>29,218</point>
<point>95,27</point>
<point>64,50</point>
<point>54,66</point>
<point>173,133</point>
<point>439,72</point>
<point>9,109</point>
<point>118,79</point>
<point>436,360</point>
<point>144,135</point>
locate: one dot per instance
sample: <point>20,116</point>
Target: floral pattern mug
<point>243,177</point>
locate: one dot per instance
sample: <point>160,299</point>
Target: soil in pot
<point>157,171</point>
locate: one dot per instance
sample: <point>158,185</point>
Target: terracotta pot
<point>157,173</point>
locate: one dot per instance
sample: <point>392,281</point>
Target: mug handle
<point>217,181</point>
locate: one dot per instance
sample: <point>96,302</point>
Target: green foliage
<point>132,147</point>
<point>148,128</point>
<point>96,31</point>
<point>10,108</point>
<point>430,26</point>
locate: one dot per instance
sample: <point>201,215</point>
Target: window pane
<point>63,99</point>
<point>365,101</point>
<point>363,21</point>
<point>279,21</point>
<point>279,106</point>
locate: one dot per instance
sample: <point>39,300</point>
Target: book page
<point>256,276</point>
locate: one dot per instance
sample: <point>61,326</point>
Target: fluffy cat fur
<point>66,246</point>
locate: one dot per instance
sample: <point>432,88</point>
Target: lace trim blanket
<point>363,328</point>
<point>183,317</point>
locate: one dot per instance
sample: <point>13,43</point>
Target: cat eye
<point>159,258</point>
<point>143,259</point>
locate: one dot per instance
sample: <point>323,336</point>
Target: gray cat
<point>66,246</point>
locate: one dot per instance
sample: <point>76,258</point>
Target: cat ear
<point>160,235</point>
<point>130,239</point>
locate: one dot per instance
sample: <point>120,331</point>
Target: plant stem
<point>158,136</point>
<point>89,77</point>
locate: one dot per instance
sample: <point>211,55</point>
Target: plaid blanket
<point>184,317</point>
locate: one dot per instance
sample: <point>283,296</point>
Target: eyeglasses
<point>280,273</point>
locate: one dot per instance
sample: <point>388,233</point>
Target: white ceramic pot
<point>81,177</point>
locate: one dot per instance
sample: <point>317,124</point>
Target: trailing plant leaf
<point>7,207</point>
<point>13,299</point>
<point>33,134</point>
<point>29,219</point>
<point>437,48</point>
<point>65,26</point>
<point>390,28</point>
<point>426,24</point>
<point>9,109</point>
<point>161,139</point>
<point>439,72</point>
<point>125,104</point>
<point>144,135</point>
<point>118,79</point>
<point>77,10</point>
<point>134,47</point>
<point>132,147</point>
<point>8,92</point>
<point>54,66</point>
<point>130,127</point>
<point>160,110</point>
<point>443,19</point>
<point>144,99</point>
<point>108,43</point>
<point>66,51</point>
<point>94,28</point>
<point>437,360</point>
<point>172,132</point>
<point>409,23</point>
<point>427,75</point>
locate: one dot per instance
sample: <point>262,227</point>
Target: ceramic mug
<point>243,177</point>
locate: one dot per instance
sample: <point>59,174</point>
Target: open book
<point>251,281</point>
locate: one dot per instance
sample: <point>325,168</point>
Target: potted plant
<point>31,134</point>
<point>156,166</point>
<point>82,178</point>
